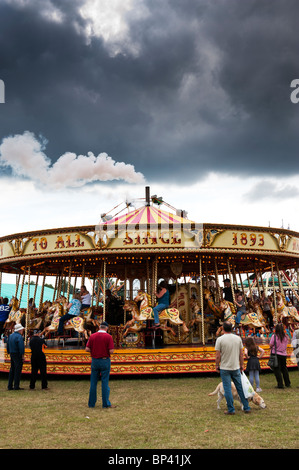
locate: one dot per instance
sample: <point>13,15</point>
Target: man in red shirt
<point>100,345</point>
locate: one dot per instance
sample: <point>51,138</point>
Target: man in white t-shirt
<point>229,362</point>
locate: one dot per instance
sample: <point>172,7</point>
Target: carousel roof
<point>147,215</point>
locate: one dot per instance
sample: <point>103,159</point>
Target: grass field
<point>153,413</point>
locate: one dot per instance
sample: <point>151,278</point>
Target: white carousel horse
<point>138,321</point>
<point>285,311</point>
<point>59,309</point>
<point>147,313</point>
<point>170,313</point>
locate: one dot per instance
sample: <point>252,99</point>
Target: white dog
<point>257,399</point>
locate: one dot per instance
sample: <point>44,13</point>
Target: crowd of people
<point>229,351</point>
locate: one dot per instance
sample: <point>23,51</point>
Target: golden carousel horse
<point>229,311</point>
<point>257,308</point>
<point>60,307</point>
<point>16,315</point>
<point>146,313</point>
<point>196,320</point>
<point>214,309</point>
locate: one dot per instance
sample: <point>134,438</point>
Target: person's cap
<point>226,280</point>
<point>105,324</point>
<point>18,327</point>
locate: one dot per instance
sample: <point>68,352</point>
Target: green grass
<point>153,413</point>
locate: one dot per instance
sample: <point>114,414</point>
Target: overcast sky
<point>190,97</point>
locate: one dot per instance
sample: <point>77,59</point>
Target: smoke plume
<point>24,154</point>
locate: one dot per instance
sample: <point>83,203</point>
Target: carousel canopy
<point>148,215</point>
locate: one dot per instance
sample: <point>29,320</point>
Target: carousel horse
<point>197,317</point>
<point>138,322</point>
<point>229,311</point>
<point>170,313</point>
<point>259,311</point>
<point>16,315</point>
<point>147,313</point>
<point>75,323</point>
<point>91,324</point>
<point>214,309</point>
<point>250,319</point>
<point>196,313</point>
<point>286,312</point>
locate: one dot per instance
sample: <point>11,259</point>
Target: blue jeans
<point>228,376</point>
<point>62,320</point>
<point>238,317</point>
<point>254,374</point>
<point>100,369</point>
<point>158,309</point>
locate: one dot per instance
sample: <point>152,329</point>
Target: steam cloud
<point>25,155</point>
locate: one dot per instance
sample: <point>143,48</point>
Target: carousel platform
<point>70,359</point>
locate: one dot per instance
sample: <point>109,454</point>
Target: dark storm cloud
<point>208,88</point>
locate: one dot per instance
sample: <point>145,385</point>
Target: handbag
<point>273,361</point>
<point>247,387</point>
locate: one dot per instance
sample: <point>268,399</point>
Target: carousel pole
<point>27,310</point>
<point>17,285</point>
<point>0,282</point>
<point>257,281</point>
<point>98,289</point>
<point>201,301</point>
<point>75,283</point>
<point>93,286</point>
<point>83,275</point>
<point>280,281</point>
<point>125,293</point>
<point>242,287</point>
<point>235,277</point>
<point>217,280</point>
<point>69,283</point>
<point>274,294</point>
<point>35,290</point>
<point>148,287</point>
<point>104,290</point>
<point>231,280</point>
<point>22,286</point>
<point>55,287</point>
<point>42,293</point>
<point>249,285</point>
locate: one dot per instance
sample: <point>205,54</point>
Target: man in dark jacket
<point>38,360</point>
<point>16,350</point>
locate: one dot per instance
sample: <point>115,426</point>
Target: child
<point>241,309</point>
<point>253,365</point>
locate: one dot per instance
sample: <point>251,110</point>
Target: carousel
<point>121,262</point>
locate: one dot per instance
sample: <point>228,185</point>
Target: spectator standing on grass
<point>38,360</point>
<point>280,372</point>
<point>101,346</point>
<point>230,363</point>
<point>16,350</point>
<point>251,352</point>
<point>4,312</point>
<point>295,344</point>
